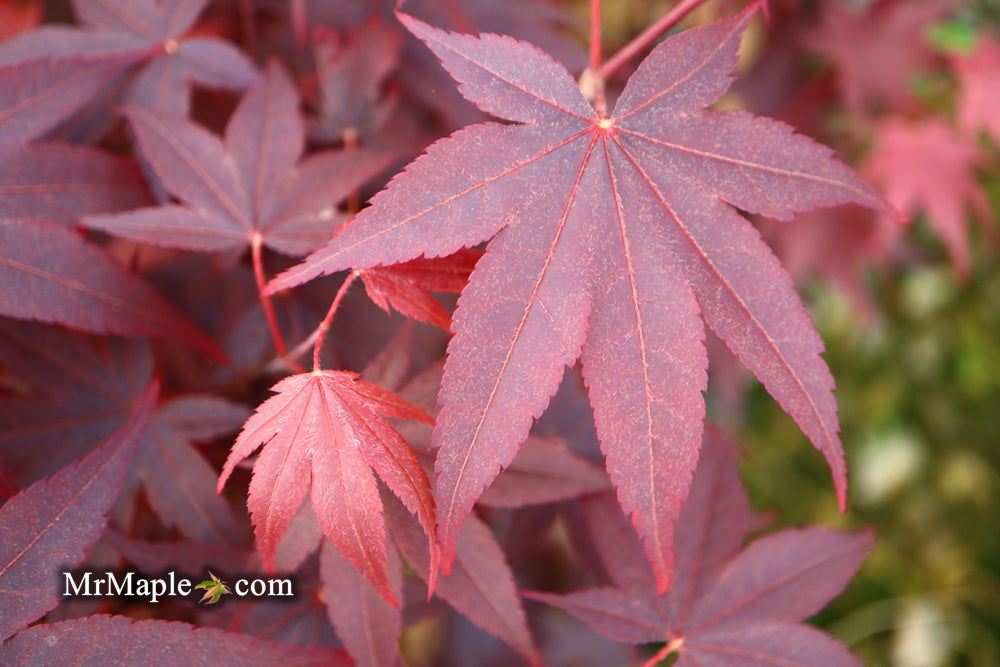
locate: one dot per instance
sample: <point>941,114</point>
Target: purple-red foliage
<point>166,165</point>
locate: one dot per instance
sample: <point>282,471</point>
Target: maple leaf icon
<point>214,589</point>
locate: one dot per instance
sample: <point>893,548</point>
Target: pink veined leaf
<point>108,640</point>
<point>712,526</point>
<point>980,87</point>
<point>481,587</point>
<point>611,236</point>
<point>786,576</point>
<point>80,390</point>
<point>369,626</point>
<point>726,606</point>
<point>53,523</point>
<point>153,32</point>
<point>407,286</point>
<point>899,163</point>
<point>62,182</point>
<point>35,96</point>
<point>250,185</point>
<point>50,274</point>
<point>324,427</point>
<point>179,482</point>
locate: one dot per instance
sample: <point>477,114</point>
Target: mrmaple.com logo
<point>133,585</point>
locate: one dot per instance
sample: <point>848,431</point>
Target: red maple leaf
<point>612,235</point>
<point>323,427</point>
<point>875,50</point>
<point>54,522</point>
<point>899,163</point>
<point>250,186</point>
<point>154,33</point>
<point>726,606</point>
<point>980,87</point>
<point>407,286</point>
<point>351,70</point>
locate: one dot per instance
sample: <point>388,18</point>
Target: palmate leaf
<point>82,389</point>
<point>324,427</point>
<point>612,235</point>
<point>481,587</point>
<point>154,32</point>
<point>250,184</point>
<point>368,625</point>
<point>899,162</point>
<point>179,482</point>
<point>214,589</point>
<point>407,286</point>
<point>726,606</point>
<point>35,96</point>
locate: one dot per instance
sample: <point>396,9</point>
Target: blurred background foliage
<point>919,395</point>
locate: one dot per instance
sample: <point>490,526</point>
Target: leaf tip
<point>435,566</point>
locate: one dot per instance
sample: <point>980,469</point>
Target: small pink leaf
<point>323,428</point>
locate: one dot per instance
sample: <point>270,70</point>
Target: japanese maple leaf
<point>407,286</point>
<point>610,233</point>
<point>927,166</point>
<point>154,31</point>
<point>876,50</point>
<point>36,96</point>
<point>215,588</point>
<point>250,186</point>
<point>323,427</point>
<point>980,86</point>
<point>727,606</point>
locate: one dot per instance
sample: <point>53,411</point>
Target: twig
<point>646,38</point>
<point>325,324</point>
<point>265,302</point>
